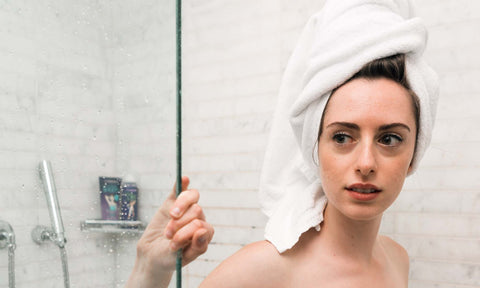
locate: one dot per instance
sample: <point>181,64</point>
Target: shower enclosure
<point>90,86</point>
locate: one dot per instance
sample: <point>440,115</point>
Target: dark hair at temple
<point>393,68</point>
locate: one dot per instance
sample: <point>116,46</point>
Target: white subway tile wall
<point>90,85</point>
<point>235,52</point>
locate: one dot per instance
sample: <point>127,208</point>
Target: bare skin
<point>178,224</point>
<point>367,140</point>
<point>306,265</point>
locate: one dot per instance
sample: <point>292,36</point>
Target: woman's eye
<point>341,138</point>
<point>390,140</point>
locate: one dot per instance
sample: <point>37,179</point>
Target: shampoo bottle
<point>129,201</point>
<point>110,197</point>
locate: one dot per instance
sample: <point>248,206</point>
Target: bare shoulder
<point>397,253</point>
<point>255,265</point>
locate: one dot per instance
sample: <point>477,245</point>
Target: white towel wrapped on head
<point>334,45</point>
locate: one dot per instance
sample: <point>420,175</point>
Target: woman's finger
<point>184,236</point>
<point>162,216</point>
<point>193,212</point>
<point>173,195</point>
<point>185,183</point>
<point>199,244</point>
<point>186,199</point>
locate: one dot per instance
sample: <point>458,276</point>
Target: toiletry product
<point>110,197</point>
<point>129,201</point>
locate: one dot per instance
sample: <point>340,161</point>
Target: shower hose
<point>63,255</point>
<point>11,265</point>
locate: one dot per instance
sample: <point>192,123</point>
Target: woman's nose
<point>366,161</point>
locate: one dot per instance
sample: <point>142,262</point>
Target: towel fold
<point>334,45</point>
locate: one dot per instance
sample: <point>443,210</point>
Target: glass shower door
<point>89,86</point>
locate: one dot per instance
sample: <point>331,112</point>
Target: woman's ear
<point>410,166</point>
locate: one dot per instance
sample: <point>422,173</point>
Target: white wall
<point>235,53</point>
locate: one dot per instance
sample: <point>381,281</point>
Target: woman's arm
<point>178,224</point>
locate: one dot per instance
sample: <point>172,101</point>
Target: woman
<point>366,147</point>
<point>354,117</point>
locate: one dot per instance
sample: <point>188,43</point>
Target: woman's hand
<point>178,224</point>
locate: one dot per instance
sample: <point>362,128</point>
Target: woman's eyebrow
<point>394,125</point>
<point>381,128</point>
<point>344,124</point>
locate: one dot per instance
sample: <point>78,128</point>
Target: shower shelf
<point>113,226</point>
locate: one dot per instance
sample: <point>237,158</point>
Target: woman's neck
<point>352,239</point>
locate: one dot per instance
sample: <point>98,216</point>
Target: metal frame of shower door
<point>178,16</point>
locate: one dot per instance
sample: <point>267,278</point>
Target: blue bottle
<point>129,201</point>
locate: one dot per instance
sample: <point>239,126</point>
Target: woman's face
<point>366,146</point>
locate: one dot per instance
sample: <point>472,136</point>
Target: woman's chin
<point>363,212</point>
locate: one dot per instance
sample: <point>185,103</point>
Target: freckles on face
<point>368,136</point>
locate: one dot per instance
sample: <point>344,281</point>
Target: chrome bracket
<point>40,234</point>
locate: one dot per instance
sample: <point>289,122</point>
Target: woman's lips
<point>363,191</point>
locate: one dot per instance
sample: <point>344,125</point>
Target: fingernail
<point>168,233</point>
<point>201,240</point>
<point>176,211</point>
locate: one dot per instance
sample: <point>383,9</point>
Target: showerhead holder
<point>41,234</point>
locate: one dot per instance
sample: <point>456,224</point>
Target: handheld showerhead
<point>56,233</point>
<point>46,174</point>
